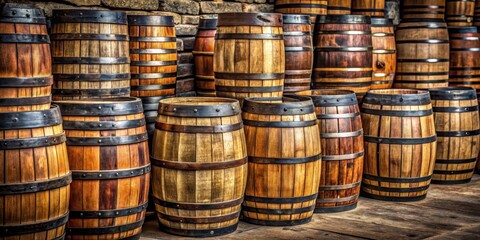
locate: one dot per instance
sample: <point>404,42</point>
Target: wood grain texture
<point>384,51</point>
<point>422,9</point>
<point>313,8</point>
<point>459,13</point>
<point>203,51</point>
<point>374,8</point>
<point>339,7</point>
<point>476,13</point>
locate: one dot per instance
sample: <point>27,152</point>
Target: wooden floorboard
<point>450,212</point>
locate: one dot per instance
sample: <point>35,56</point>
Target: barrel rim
<point>322,97</point>
<point>381,22</point>
<point>176,107</point>
<point>469,29</point>
<point>397,98</point>
<point>21,13</point>
<point>250,19</point>
<point>208,24</point>
<point>150,20</point>
<point>31,119</point>
<point>88,16</point>
<point>100,106</point>
<point>296,18</point>
<point>343,19</point>
<point>453,93</point>
<point>300,106</point>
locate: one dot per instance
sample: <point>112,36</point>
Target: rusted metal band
<point>105,230</point>
<point>92,77</point>
<point>282,124</point>
<point>280,200</point>
<point>195,166</point>
<point>198,129</point>
<point>111,174</point>
<point>25,38</point>
<point>265,160</point>
<point>37,186</point>
<point>339,187</point>
<point>199,220</point>
<point>334,200</point>
<point>89,36</point>
<point>249,36</point>
<point>249,76</point>
<point>342,134</point>
<point>26,81</point>
<point>34,142</point>
<point>107,213</point>
<point>107,141</point>
<point>40,226</point>
<point>103,125</point>
<point>31,119</point>
<point>90,60</point>
<point>342,156</point>
<point>199,206</point>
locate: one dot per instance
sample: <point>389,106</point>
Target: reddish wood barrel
<point>384,53</point>
<point>476,13</point>
<point>108,154</point>
<point>458,131</point>
<point>284,159</point>
<point>203,50</point>
<point>460,12</point>
<point>313,8</point>
<point>35,182</point>
<point>25,63</point>
<point>422,54</point>
<point>373,8</point>
<point>90,54</point>
<point>343,53</point>
<point>298,52</point>
<point>422,9</point>
<point>400,144</point>
<point>199,171</point>
<point>339,7</point>
<point>255,68</point>
<point>341,134</point>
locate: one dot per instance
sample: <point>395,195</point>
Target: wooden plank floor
<point>449,212</point>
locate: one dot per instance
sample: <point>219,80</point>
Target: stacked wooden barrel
<point>476,14</point>
<point>459,12</point>
<point>384,60</point>
<point>313,8</point>
<point>203,51</point>
<point>339,7</point>
<point>373,8</point>
<point>422,9</point>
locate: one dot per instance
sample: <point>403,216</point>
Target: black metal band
<point>103,125</point>
<point>338,187</point>
<point>289,105</point>
<point>422,74</point>
<point>120,106</point>
<point>153,63</point>
<point>199,233</point>
<point>429,60</point>
<point>249,76</point>
<point>453,93</point>
<point>342,156</point>
<point>347,32</point>
<point>395,199</point>
<point>152,51</point>
<point>107,141</point>
<point>222,108</point>
<point>453,172</point>
<point>401,81</point>
<point>396,190</point>
<point>280,200</point>
<point>465,76</point>
<point>336,200</point>
<point>343,49</point>
<point>422,98</point>
<point>26,82</point>
<point>296,33</point>
<point>105,230</point>
<point>111,174</point>
<point>108,213</point>
<point>150,20</point>
<point>282,124</point>
<point>449,182</point>
<point>429,41</point>
<point>249,36</point>
<point>41,226</point>
<point>349,99</point>
<point>89,16</point>
<point>248,89</point>
<point>342,134</point>
<point>338,115</point>
<point>429,26</point>
<point>199,220</point>
<point>397,180</point>
<point>407,113</point>
<point>153,39</point>
<point>15,13</point>
<point>265,160</point>
<point>455,161</point>
<point>458,133</point>
<point>33,187</point>
<point>25,38</point>
<point>31,119</point>
<point>400,141</point>
<point>199,129</point>
<point>277,223</point>
<point>89,36</point>
<point>348,83</point>
<point>196,166</point>
<point>92,92</point>
<point>152,87</point>
<point>383,51</point>
<point>278,211</point>
<point>455,109</point>
<point>22,143</point>
<point>335,209</point>
<point>298,49</point>
<point>91,60</point>
<point>25,101</point>
<point>92,77</point>
<point>199,206</point>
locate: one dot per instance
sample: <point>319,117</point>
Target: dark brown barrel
<point>341,134</point>
<point>313,8</point>
<point>422,9</point>
<point>458,131</point>
<point>343,53</point>
<point>90,54</point>
<point>400,144</point>
<point>460,12</point>
<point>255,68</point>
<point>203,50</point>
<point>373,8</point>
<point>25,62</point>
<point>384,60</point>
<point>339,7</point>
<point>422,54</point>
<point>298,52</point>
<point>476,17</point>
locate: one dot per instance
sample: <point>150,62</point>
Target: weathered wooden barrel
<point>284,159</point>
<point>298,52</point>
<point>341,135</point>
<point>400,144</point>
<point>25,65</point>
<point>373,8</point>
<point>476,13</point>
<point>35,182</point>
<point>249,58</point>
<point>384,62</point>
<point>343,53</point>
<point>90,54</point>
<point>199,170</point>
<point>422,9</point>
<point>422,54</point>
<point>313,8</point>
<point>108,154</point>
<point>460,12</point>
<point>203,51</point>
<point>455,110</point>
<point>153,54</point>
<point>339,7</point>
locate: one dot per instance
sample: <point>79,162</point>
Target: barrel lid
<point>381,22</point>
<point>149,20</point>
<point>344,19</point>
<point>30,119</point>
<point>208,24</point>
<point>88,16</point>
<point>397,97</point>
<point>199,107</point>
<point>21,13</point>
<point>330,97</point>
<point>250,19</point>
<point>101,107</point>
<point>288,105</point>
<point>453,93</point>
<point>296,18</point>
<point>462,29</point>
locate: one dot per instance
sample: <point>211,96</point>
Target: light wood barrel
<point>313,8</point>
<point>249,58</point>
<point>284,159</point>
<point>90,54</point>
<point>460,12</point>
<point>384,51</point>
<point>373,8</point>
<point>343,53</point>
<point>35,182</point>
<point>341,134</point>
<point>199,170</point>
<point>25,65</point>
<point>203,51</point>
<point>400,144</point>
<point>455,110</point>
<point>298,52</point>
<point>422,54</point>
<point>108,154</point>
<point>422,9</point>
<point>339,7</point>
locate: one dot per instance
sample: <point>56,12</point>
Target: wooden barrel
<point>384,62</point>
<point>339,7</point>
<point>373,8</point>
<point>249,58</point>
<point>455,110</point>
<point>460,12</point>
<point>343,53</point>
<point>422,54</point>
<point>35,182</point>
<point>422,9</point>
<point>203,50</point>
<point>400,144</point>
<point>25,65</point>
<point>199,170</point>
<point>153,54</point>
<point>298,52</point>
<point>341,134</point>
<point>476,13</point>
<point>108,154</point>
<point>311,7</point>
<point>284,159</point>
<point>90,54</point>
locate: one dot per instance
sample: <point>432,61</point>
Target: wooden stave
<point>427,9</point>
<point>383,35</point>
<point>463,62</point>
<point>339,7</point>
<point>373,8</point>
<point>459,13</point>
<point>203,51</point>
<point>397,99</point>
<point>476,17</point>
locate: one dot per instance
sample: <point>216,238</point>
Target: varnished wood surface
<point>449,212</point>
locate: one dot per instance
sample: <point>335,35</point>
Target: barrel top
<point>382,22</point>
<point>199,107</point>
<point>30,119</point>
<point>330,97</point>
<point>149,20</point>
<point>344,19</point>
<point>208,24</point>
<point>288,105</point>
<point>250,19</point>
<point>21,13</point>
<point>88,16</point>
<point>397,97</point>
<point>453,93</point>
<point>471,29</point>
<point>296,19</point>
<point>101,107</point>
